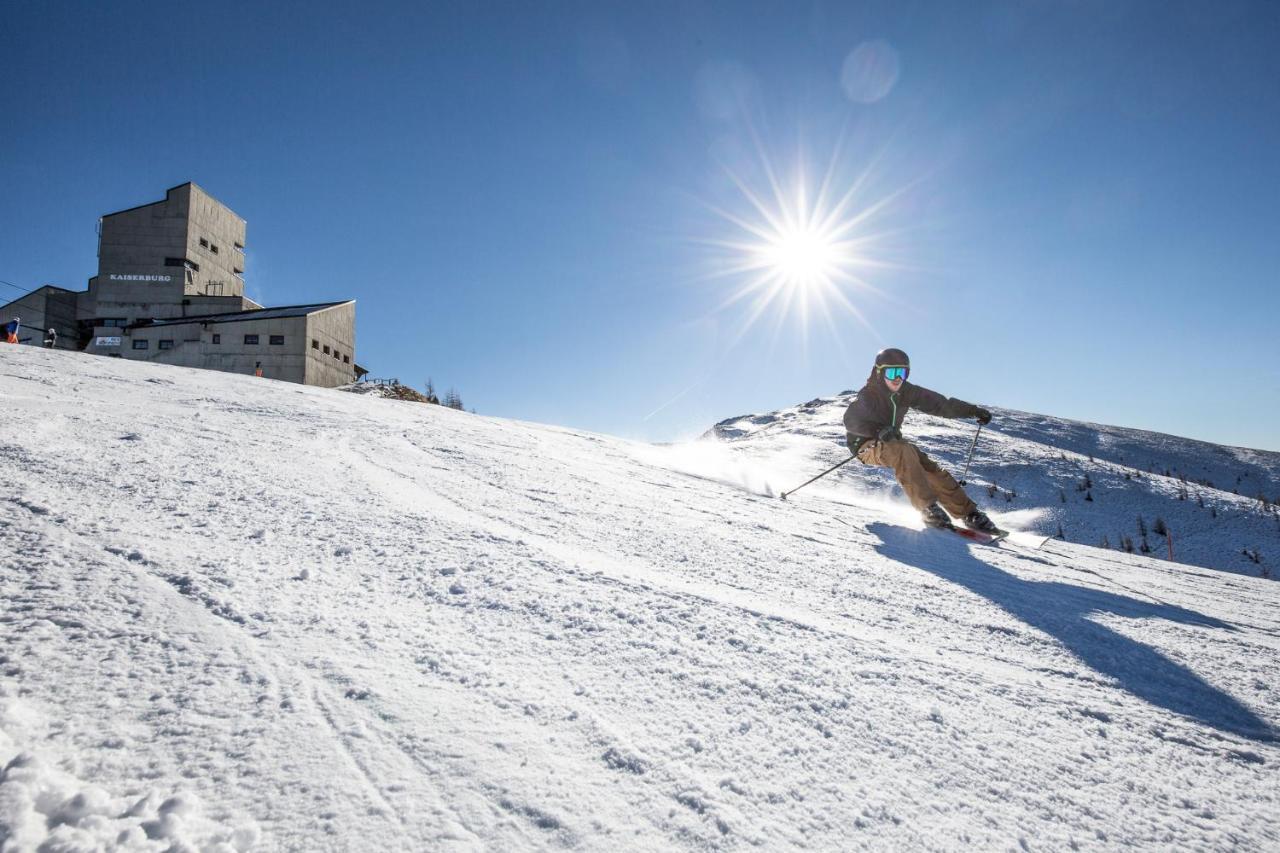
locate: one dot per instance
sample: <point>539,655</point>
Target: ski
<point>975,535</point>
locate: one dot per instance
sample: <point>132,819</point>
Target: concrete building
<point>301,343</point>
<point>170,288</point>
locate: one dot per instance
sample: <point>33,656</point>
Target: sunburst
<point>803,249</point>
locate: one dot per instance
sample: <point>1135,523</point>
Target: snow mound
<point>44,808</point>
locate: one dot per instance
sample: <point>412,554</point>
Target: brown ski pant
<point>920,477</point>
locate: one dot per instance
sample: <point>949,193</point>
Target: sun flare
<point>799,248</point>
<point>801,257</point>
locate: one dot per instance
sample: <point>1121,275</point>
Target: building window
<point>217,339</point>
<point>204,244</point>
<point>139,343</point>
<point>335,354</point>
<point>166,343</point>
<point>315,344</point>
<point>213,288</point>
<point>277,340</point>
<point>237,271</point>
<point>114,322</point>
<point>251,339</point>
<point>346,359</point>
<point>326,349</point>
<point>240,247</point>
<point>214,248</point>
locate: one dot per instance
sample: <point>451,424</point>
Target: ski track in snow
<point>322,621</point>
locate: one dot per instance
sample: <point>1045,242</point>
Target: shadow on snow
<point>1062,611</point>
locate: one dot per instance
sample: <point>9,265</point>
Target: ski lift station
<point>170,289</point>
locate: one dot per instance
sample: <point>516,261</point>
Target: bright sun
<point>801,245</point>
<point>799,252</point>
<point>799,249</point>
<point>801,257</point>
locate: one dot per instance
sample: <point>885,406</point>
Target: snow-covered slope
<point>237,613</point>
<point>1088,482</point>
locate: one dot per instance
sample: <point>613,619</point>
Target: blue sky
<point>1075,203</point>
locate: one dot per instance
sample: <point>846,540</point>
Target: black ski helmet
<point>892,356</point>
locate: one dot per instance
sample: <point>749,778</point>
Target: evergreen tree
<point>1159,527</point>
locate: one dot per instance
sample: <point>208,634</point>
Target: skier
<point>873,422</point>
<point>51,339</point>
<point>11,330</point>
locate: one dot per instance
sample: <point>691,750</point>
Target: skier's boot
<point>935,516</point>
<point>977,520</point>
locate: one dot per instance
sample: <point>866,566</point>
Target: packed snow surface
<point>241,614</point>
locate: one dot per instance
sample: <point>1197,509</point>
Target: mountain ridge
<point>1221,504</point>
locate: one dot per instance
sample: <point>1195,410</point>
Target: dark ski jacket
<point>875,408</point>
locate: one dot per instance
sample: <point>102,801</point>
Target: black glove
<point>983,416</point>
<point>889,433</point>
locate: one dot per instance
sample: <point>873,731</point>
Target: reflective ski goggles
<point>895,372</point>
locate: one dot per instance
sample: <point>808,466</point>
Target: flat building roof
<point>242,316</point>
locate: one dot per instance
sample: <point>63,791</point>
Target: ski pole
<point>819,477</point>
<point>970,459</point>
